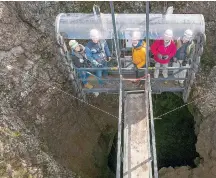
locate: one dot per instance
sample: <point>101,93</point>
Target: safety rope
<point>211,93</point>
<point>186,103</point>
<point>9,67</point>
<point>16,134</point>
<point>136,79</point>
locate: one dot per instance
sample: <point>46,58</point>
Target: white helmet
<point>168,33</point>
<point>188,34</point>
<point>94,33</point>
<point>136,35</point>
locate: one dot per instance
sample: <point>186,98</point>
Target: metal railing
<point>131,71</point>
<point>152,132</point>
<point>121,92</point>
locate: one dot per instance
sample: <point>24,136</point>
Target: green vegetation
<point>175,137</point>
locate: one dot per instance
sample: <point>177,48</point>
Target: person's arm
<point>178,41</point>
<point>191,52</point>
<point>154,47</point>
<point>89,54</point>
<point>90,57</point>
<point>106,49</point>
<point>144,55</point>
<point>173,50</point>
<point>75,60</point>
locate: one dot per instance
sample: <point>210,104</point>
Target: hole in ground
<point>112,159</point>
<point>175,136</point>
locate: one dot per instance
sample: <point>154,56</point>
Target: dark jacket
<point>76,56</point>
<point>185,50</point>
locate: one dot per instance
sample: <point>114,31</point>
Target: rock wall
<point>204,112</point>
<point>45,131</point>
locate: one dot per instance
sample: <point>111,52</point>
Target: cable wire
<point>9,67</point>
<point>184,105</point>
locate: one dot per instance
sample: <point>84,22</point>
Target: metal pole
<point>118,167</point>
<point>153,133</point>
<point>115,36</point>
<point>147,83</point>
<point>120,127</point>
<point>130,69</point>
<point>147,36</point>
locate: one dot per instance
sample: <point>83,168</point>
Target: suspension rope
<point>9,67</point>
<point>189,102</point>
<point>211,93</point>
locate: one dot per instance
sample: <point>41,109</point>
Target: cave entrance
<point>175,134</point>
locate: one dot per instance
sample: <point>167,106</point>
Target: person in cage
<point>184,55</point>
<point>97,51</point>
<point>80,61</point>
<point>138,53</point>
<point>163,50</point>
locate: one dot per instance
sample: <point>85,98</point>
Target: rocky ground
<point>47,133</point>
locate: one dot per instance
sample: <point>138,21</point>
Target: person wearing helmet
<point>79,60</point>
<point>184,55</point>
<point>97,51</point>
<point>138,53</point>
<point>163,50</point>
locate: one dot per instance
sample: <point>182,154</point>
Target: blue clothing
<point>83,75</point>
<point>97,54</point>
<point>140,43</point>
<point>99,73</point>
<point>94,51</point>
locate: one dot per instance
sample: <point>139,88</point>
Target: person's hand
<point>100,66</point>
<point>109,59</point>
<point>159,56</point>
<point>81,60</point>
<point>135,67</point>
<point>184,63</point>
<point>95,63</point>
<point>165,57</point>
